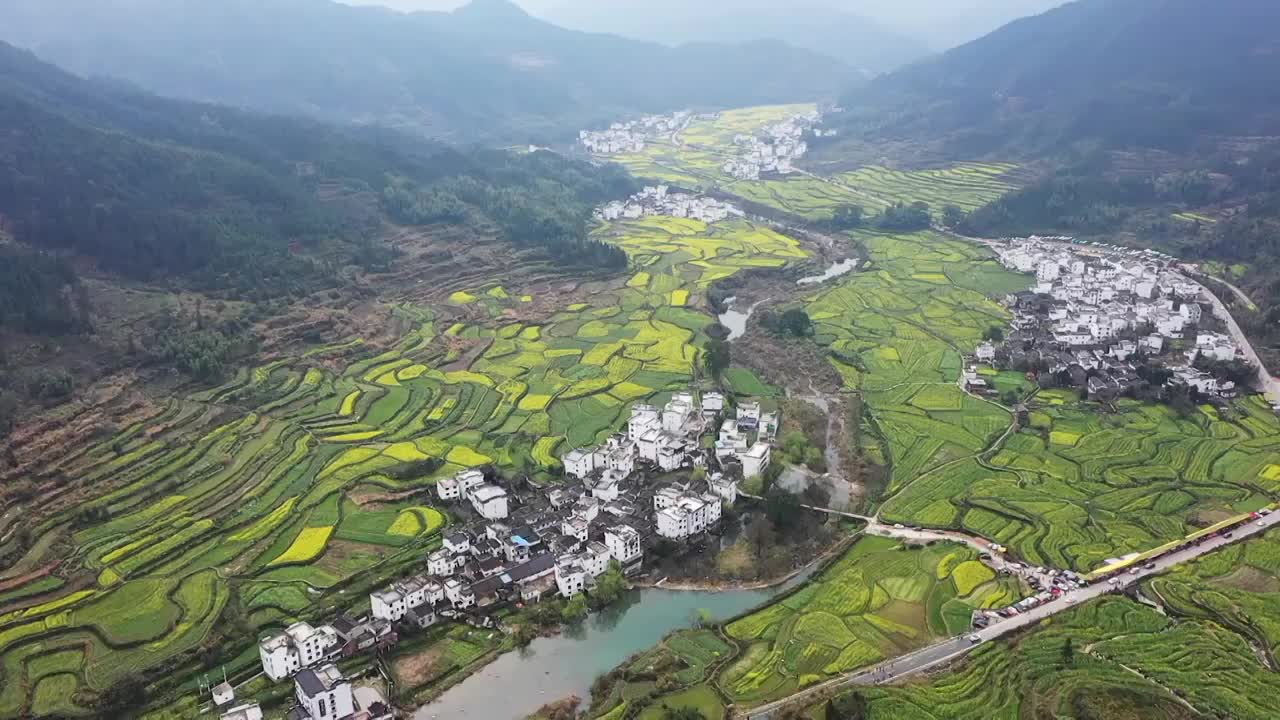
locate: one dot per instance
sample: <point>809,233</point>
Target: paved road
<point>1270,386</point>
<point>947,650</point>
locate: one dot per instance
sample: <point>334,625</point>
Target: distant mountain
<point>811,24</point>
<point>1153,73</point>
<point>944,25</point>
<point>227,201</point>
<point>486,71</point>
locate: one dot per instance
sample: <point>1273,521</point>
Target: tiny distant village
<point>1111,322</point>
<point>773,150</point>
<point>514,545</point>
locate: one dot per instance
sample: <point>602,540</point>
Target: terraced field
<point>1210,659</point>
<point>1079,486</point>
<point>879,600</point>
<point>968,186</point>
<point>695,159</point>
<point>898,331</point>
<point>288,491</point>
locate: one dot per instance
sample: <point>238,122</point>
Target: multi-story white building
<point>392,603</point>
<point>324,694</point>
<point>571,577</point>
<point>756,460</point>
<point>490,501</point>
<point>643,419</point>
<point>299,646</point>
<point>623,543</point>
<point>579,463</point>
<point>441,562</point>
<point>712,404</point>
<point>457,487</point>
<point>388,604</point>
<point>689,515</point>
<point>459,594</point>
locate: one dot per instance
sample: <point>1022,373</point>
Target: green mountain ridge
<point>1153,73</point>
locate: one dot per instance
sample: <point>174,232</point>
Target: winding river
<point>551,668</point>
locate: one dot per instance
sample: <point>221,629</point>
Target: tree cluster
<point>793,322</point>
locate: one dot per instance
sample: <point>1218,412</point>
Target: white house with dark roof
<point>324,693</point>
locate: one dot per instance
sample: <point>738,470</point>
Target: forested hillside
<point>180,197</point>
<point>487,71</point>
<point>1153,73</point>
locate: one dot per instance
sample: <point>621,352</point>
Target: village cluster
<point>631,136</point>
<point>775,149</point>
<point>1095,310</point>
<point>656,200</point>
<point>529,543</point>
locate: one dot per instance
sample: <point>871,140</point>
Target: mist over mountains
<point>487,71</point>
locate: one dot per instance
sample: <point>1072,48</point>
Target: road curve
<point>950,649</point>
<point>1269,386</point>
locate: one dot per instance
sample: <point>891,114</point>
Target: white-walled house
<point>723,487</point>
<point>490,501</point>
<point>457,486</point>
<point>623,543</point>
<point>756,460</point>
<point>579,463</point>
<point>324,693</point>
<point>298,647</point>
<point>688,515</point>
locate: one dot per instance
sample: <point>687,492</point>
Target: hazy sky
<point>904,9</point>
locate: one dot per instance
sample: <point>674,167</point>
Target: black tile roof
<point>310,683</point>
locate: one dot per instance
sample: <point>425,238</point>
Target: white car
<point>975,638</point>
<point>1262,523</point>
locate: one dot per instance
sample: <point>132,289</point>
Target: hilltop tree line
<point>537,201</point>
<point>899,217</point>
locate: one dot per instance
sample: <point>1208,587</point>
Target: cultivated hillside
<point>105,191</point>
<point>486,71</point>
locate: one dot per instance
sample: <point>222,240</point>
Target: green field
<point>1087,486</point>
<point>879,600</point>
<point>280,494</point>
<point>1126,658</point>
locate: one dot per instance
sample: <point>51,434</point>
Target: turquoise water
<point>518,683</point>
